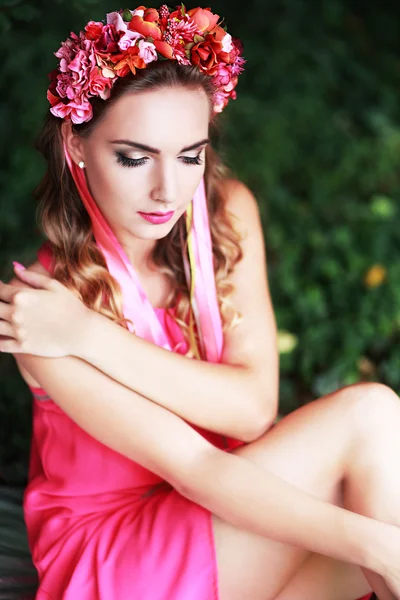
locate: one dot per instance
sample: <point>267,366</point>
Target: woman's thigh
<point>307,448</point>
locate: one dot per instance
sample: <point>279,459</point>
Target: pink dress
<point>96,531</point>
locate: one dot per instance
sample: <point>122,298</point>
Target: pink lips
<point>158,217</point>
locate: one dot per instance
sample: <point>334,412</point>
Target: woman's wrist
<point>87,338</point>
<point>382,547</point>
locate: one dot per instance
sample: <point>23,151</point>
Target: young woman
<point>157,471</point>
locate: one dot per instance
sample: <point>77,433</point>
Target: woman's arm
<point>239,397</point>
<point>228,485</point>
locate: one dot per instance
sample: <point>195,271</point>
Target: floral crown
<point>91,63</point>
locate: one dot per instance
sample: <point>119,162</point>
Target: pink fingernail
<point>18,265</point>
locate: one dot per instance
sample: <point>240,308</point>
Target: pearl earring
<point>81,164</point>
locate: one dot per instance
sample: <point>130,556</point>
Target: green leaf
<point>127,15</point>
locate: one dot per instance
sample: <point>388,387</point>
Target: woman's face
<point>147,155</point>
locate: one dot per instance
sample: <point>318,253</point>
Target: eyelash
<point>137,162</point>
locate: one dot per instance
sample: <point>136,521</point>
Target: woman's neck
<point>139,253</point>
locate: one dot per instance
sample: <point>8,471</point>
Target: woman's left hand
<point>46,319</point>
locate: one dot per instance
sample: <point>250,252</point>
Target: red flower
<point>107,43</point>
<point>204,18</point>
<point>94,29</point>
<point>151,15</point>
<point>232,56</point>
<point>130,61</point>
<point>206,54</point>
<point>52,96</point>
<point>164,49</point>
<point>146,25</point>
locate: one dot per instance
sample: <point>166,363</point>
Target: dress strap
<point>45,256</point>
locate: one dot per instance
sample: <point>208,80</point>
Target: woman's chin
<point>151,231</point>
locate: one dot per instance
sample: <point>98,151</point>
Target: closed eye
<point>129,162</point>
<point>125,161</point>
<point>192,160</point>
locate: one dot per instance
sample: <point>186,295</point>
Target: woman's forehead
<point>158,118</point>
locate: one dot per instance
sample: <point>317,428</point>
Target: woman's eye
<point>192,160</point>
<point>130,162</point>
<point>136,162</point>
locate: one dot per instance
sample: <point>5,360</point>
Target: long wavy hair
<point>61,215</point>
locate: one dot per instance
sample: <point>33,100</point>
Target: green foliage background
<point>314,133</point>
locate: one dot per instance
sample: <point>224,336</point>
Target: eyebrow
<point>157,150</point>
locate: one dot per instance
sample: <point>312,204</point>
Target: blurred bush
<point>314,133</point>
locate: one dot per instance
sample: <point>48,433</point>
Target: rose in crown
<point>91,62</point>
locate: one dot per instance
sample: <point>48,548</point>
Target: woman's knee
<point>372,405</point>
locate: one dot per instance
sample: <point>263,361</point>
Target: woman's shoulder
<point>242,204</point>
<point>238,195</point>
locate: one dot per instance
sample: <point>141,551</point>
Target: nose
<point>165,185</point>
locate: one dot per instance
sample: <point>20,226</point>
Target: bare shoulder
<point>252,342</point>
<point>243,208</point>
<point>38,268</point>
<point>242,205</point>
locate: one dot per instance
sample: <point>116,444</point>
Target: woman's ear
<point>73,142</point>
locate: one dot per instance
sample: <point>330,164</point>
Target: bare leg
<point>323,578</point>
<point>349,438</point>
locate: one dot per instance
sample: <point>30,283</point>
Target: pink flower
<point>147,51</point>
<point>64,65</point>
<point>82,63</point>
<point>227,44</point>
<point>128,37</point>
<point>78,110</point>
<point>229,88</point>
<point>98,84</point>
<point>237,66</point>
<point>125,42</point>
<point>222,76</point>
<point>66,51</point>
<point>115,18</point>
<point>219,102</point>
<point>223,94</point>
<point>63,83</point>
<point>182,58</point>
<point>74,77</point>
<point>186,29</point>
